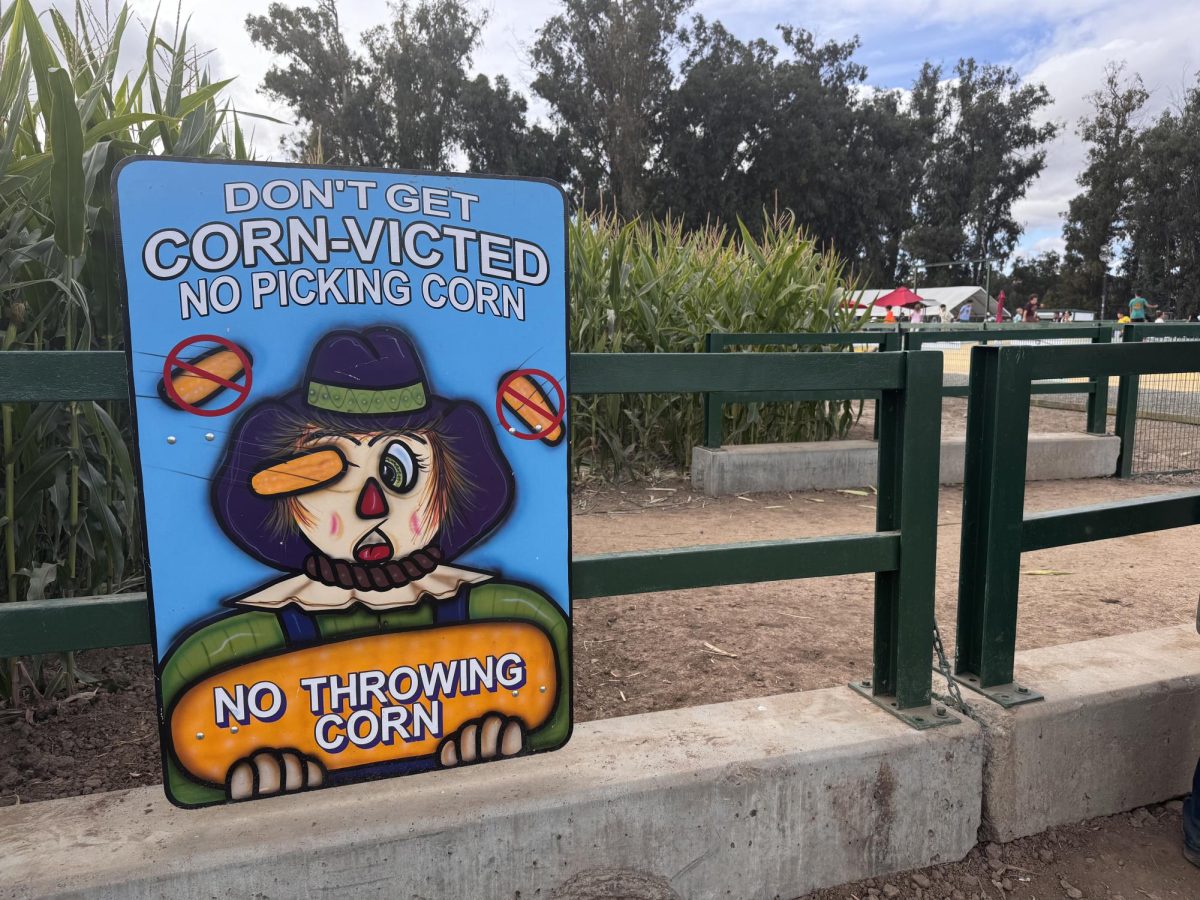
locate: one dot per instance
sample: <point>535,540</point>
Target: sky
<point>1065,44</point>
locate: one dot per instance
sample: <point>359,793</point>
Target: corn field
<point>651,287</point>
<point>66,119</point>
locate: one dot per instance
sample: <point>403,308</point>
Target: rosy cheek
<point>414,524</point>
<point>335,525</point>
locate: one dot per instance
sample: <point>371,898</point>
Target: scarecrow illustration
<point>364,486</point>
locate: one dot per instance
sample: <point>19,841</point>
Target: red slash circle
<point>173,362</point>
<point>555,417</point>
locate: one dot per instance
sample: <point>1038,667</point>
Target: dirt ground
<point>1132,856</point>
<point>746,641</point>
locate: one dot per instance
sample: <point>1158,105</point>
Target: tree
<point>751,127</point>
<point>496,137</point>
<point>329,87</point>
<point>1096,216</point>
<point>420,60</point>
<point>407,101</point>
<point>1162,254</point>
<point>713,127</point>
<point>604,67</point>
<point>987,151</point>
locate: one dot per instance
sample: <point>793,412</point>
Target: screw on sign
<point>190,384</point>
<point>521,393</point>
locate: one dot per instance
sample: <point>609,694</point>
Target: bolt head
<point>209,436</point>
<point>1022,690</point>
<point>866,682</point>
<point>170,438</point>
<point>516,693</point>
<point>941,711</point>
<point>199,735</point>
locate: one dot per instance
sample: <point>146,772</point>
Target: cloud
<point>1156,40</point>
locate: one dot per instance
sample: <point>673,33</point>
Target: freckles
<point>414,525</point>
<point>335,525</point>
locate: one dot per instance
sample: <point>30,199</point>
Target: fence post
<point>892,342</point>
<point>1097,405</point>
<point>714,408</point>
<point>1127,403</point>
<point>909,445</point>
<point>992,516</point>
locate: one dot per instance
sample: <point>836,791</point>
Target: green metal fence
<point>901,552</point>
<point>948,339</point>
<point>716,401</point>
<point>995,531</point>
<point>1158,419</point>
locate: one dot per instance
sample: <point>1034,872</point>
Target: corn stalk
<point>651,287</point>
<point>70,110</point>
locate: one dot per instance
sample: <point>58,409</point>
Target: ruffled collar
<point>314,596</point>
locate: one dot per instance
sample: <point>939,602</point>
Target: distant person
<point>1162,317</point>
<point>891,315</point>
<point>1000,307</point>
<point>943,314</point>
<point>1138,307</point>
<point>964,313</point>
<point>1123,317</point>
<point>917,316</point>
<point>1031,309</point>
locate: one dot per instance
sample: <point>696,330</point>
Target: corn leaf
<point>68,200</point>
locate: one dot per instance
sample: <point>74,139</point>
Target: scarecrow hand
<point>487,737</point>
<point>267,772</point>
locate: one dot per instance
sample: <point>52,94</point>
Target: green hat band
<point>366,401</point>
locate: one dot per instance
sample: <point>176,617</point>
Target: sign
<point>349,395</point>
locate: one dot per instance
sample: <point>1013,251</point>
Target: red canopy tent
<point>901,296</point>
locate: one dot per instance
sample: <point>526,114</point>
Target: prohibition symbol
<point>188,384</point>
<point>522,393</point>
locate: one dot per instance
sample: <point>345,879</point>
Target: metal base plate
<point>1007,695</point>
<point>919,717</point>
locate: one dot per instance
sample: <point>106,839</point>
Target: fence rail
<point>1173,411</point>
<point>901,552</point>
<point>908,337</point>
<point>995,530</point>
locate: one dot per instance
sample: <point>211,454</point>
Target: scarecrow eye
<point>398,468</point>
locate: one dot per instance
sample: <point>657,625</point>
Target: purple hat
<point>371,380</point>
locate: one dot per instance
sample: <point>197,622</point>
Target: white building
<point>953,298</point>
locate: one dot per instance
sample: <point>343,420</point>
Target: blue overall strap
<point>299,627</point>
<point>454,609</point>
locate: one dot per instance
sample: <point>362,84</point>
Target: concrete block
<point>827,465</point>
<point>1119,728</point>
<point>771,797</point>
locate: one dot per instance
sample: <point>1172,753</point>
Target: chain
<point>955,699</point>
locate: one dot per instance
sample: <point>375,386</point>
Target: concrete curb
<point>827,465</point>
<point>761,798</point>
<point>1119,728</point>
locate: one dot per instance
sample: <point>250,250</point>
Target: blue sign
<point>350,390</point>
